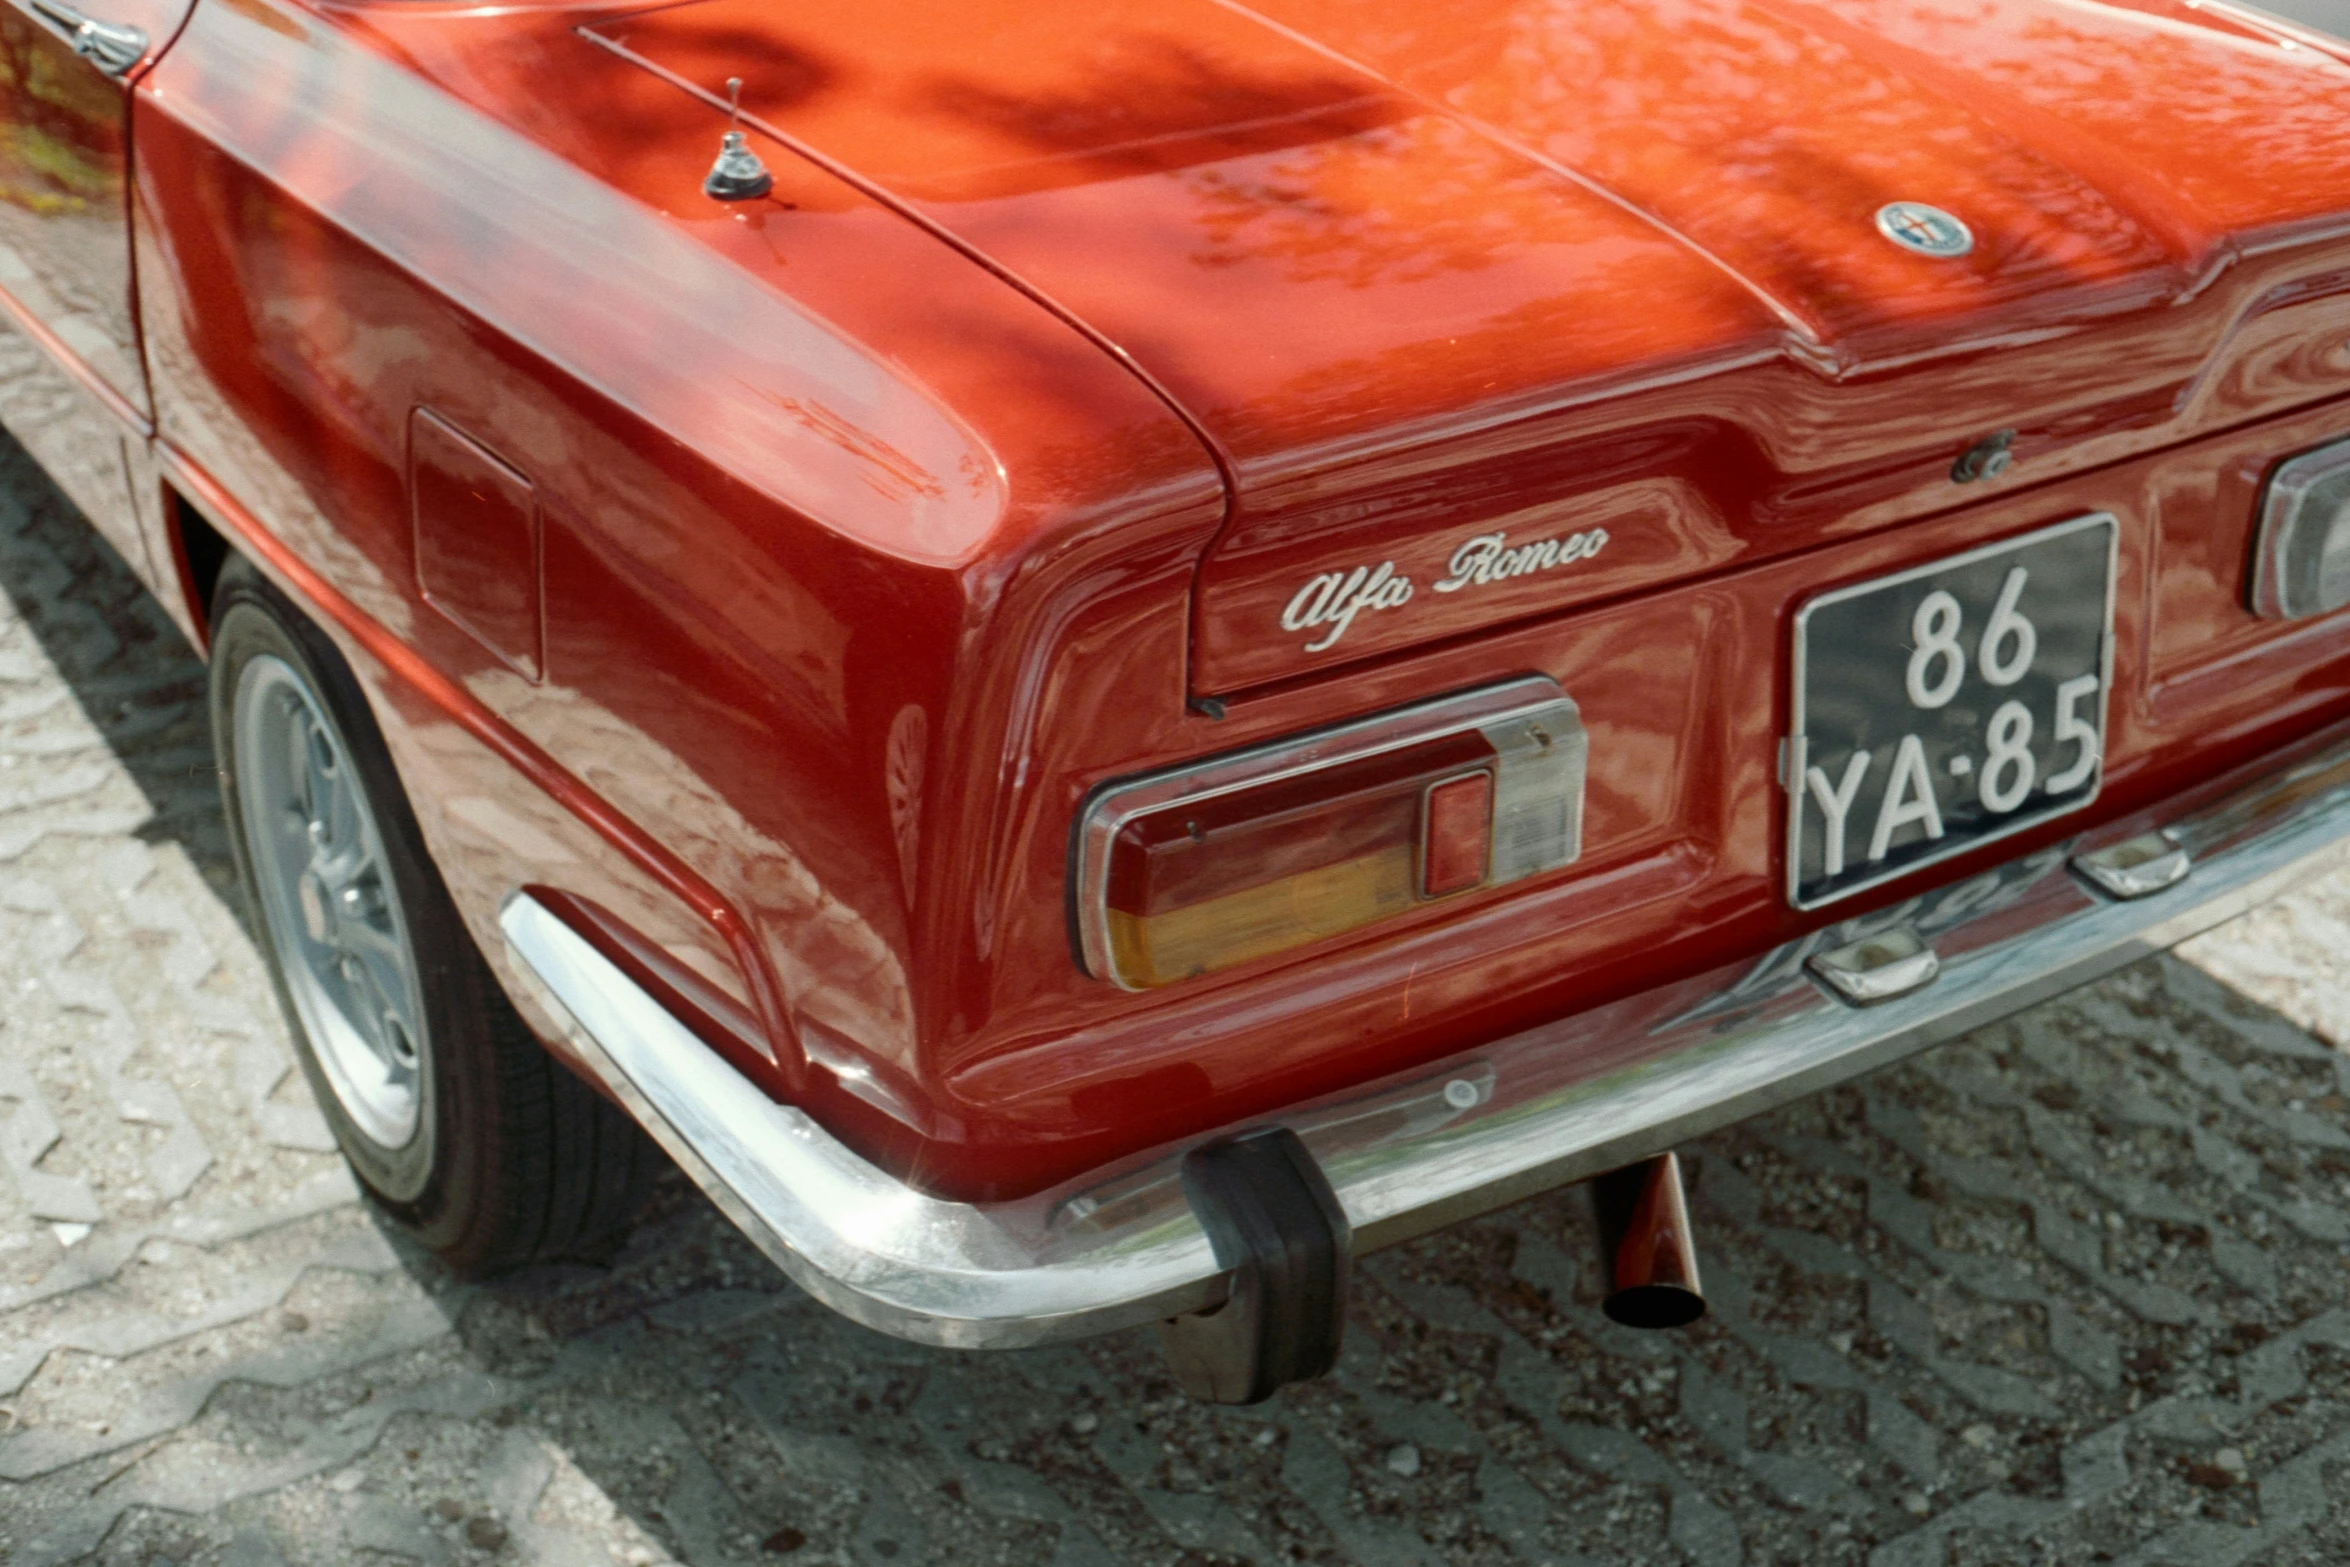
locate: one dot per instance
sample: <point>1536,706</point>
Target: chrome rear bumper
<point>1525,1114</point>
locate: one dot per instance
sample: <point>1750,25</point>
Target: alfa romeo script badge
<point>1927,230</point>
<point>1329,603</point>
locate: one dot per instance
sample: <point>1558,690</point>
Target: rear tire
<point>457,1122</point>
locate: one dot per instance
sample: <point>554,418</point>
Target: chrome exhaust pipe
<point>1651,1254</point>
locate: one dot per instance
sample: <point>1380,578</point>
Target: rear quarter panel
<point>768,543</point>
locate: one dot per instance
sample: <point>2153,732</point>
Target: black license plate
<point>1946,706</point>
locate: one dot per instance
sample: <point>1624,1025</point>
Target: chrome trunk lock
<point>2135,868</point>
<point>1986,459</point>
<point>1876,968</point>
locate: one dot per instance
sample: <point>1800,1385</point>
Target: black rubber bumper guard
<point>1276,1224</point>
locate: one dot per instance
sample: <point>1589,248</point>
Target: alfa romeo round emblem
<point>1927,230</point>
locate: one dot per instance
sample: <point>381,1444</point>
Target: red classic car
<point>1096,655</point>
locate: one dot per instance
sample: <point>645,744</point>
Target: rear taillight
<point>2301,566</point>
<point>1243,856</point>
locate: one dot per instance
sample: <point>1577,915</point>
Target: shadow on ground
<point>119,659</point>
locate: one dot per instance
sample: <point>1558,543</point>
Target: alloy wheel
<point>329,901</point>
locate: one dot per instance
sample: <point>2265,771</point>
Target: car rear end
<point>1549,923</point>
<point>1684,632</point>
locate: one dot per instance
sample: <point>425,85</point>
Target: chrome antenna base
<point>738,175</point>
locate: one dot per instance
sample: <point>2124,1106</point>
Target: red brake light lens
<point>1457,834</point>
<point>1187,872</point>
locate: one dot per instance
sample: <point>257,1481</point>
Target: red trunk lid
<point>1496,308</point>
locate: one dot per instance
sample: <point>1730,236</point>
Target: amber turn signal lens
<point>1242,857</point>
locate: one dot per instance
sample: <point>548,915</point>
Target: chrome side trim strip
<point>1553,1105</point>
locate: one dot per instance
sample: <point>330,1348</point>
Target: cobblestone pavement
<point>2071,1290</point>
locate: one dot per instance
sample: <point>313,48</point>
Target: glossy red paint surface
<point>477,540</point>
<point>751,640</point>
<point>80,405</point>
<point>878,521</point>
<point>1424,273</point>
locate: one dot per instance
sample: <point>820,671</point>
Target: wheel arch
<point>200,551</point>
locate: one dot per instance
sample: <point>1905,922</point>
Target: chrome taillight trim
<point>2271,595</point>
<point>1510,715</point>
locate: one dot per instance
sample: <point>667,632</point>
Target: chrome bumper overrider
<point>1552,1105</point>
